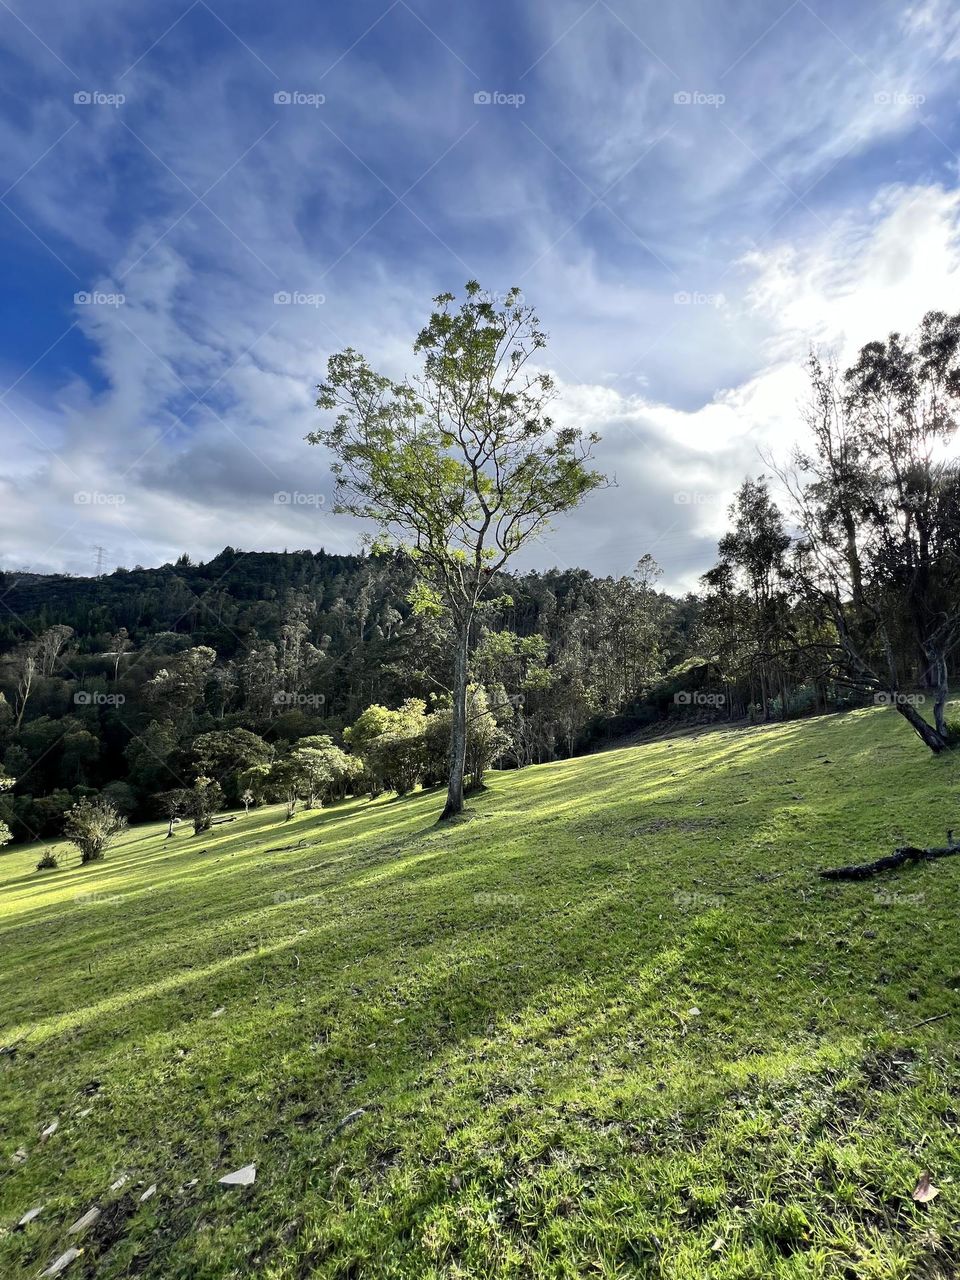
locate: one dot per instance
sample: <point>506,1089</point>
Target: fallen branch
<point>903,855</point>
<point>937,1017</point>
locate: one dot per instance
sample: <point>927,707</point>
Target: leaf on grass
<point>694,1012</point>
<point>51,1129</point>
<point>217,1013</point>
<point>62,1262</point>
<point>20,1155</point>
<point>150,1191</point>
<point>925,1191</point>
<point>244,1177</point>
<point>29,1216</point>
<point>120,1182</point>
<point>88,1219</point>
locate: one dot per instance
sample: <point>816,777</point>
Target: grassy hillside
<point>613,1025</point>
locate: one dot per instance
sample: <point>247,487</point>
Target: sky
<point>201,202</point>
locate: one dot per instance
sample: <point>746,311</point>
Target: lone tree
<point>459,465</point>
<point>203,800</point>
<point>92,825</point>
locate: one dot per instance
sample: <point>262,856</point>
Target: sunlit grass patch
<point>614,1025</point>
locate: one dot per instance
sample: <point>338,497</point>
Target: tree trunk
<point>924,730</point>
<point>458,727</point>
<point>939,685</point>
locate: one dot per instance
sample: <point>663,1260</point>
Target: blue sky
<point>689,194</point>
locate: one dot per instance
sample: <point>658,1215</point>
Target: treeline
<point>304,676</point>
<point>113,685</point>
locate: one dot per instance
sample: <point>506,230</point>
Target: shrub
<point>202,801</point>
<point>48,862</point>
<point>92,825</point>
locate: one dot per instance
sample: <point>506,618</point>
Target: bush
<point>92,825</point>
<point>48,862</point>
<point>202,801</point>
<point>392,746</point>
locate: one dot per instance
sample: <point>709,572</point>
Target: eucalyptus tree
<point>879,498</point>
<point>460,464</point>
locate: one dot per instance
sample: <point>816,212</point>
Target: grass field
<point>612,1025</point>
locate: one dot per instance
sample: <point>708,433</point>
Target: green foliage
<point>392,746</point>
<point>227,755</point>
<point>459,466</point>
<point>201,802</point>
<point>92,825</point>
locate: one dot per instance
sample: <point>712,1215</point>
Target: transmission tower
<point>101,552</point>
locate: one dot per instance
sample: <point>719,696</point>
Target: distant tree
<point>288,781</point>
<point>119,645</point>
<point>92,825</point>
<point>178,687</point>
<point>204,799</point>
<point>225,754</point>
<point>392,745</point>
<point>247,798</point>
<point>486,740</point>
<point>50,645</point>
<point>173,805</point>
<point>122,796</point>
<point>255,781</point>
<point>462,465</point>
<point>339,769</point>
<point>25,667</point>
<point>749,586</point>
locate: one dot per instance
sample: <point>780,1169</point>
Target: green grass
<point>510,1002</point>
